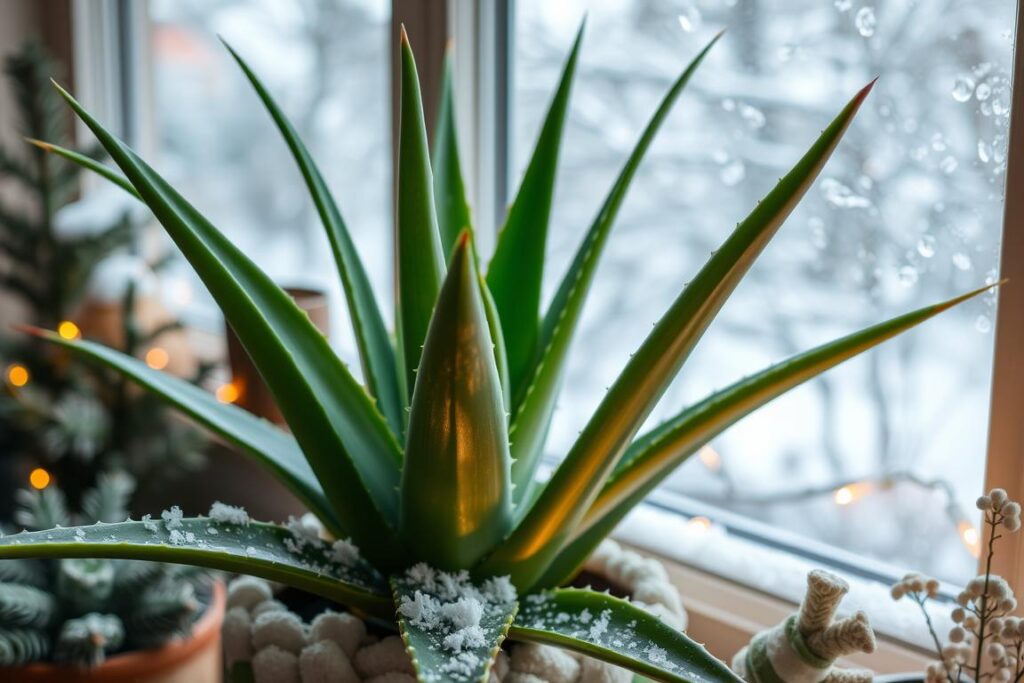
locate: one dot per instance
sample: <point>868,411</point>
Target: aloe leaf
<point>453,214</point>
<point>456,488</point>
<point>87,163</point>
<point>497,337</point>
<point>655,455</point>
<point>420,264</point>
<point>372,340</point>
<point>614,631</point>
<point>345,439</point>
<point>516,270</point>
<point>579,478</point>
<point>534,405</point>
<point>451,648</point>
<point>257,549</point>
<point>271,446</point>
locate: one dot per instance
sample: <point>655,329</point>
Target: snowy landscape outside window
<point>327,64</point>
<point>884,456</point>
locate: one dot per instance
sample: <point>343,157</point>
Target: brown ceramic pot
<point>196,659</point>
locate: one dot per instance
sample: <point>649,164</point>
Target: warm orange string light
<point>710,457</point>
<point>970,536</point>
<point>844,495</point>
<point>228,393</point>
<point>157,358</point>
<point>39,478</point>
<point>700,525</point>
<point>17,375</point>
<point>68,330</point>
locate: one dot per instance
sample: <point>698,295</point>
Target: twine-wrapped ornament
<point>804,647</point>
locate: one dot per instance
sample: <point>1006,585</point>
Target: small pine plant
<point>73,420</point>
<point>81,610</point>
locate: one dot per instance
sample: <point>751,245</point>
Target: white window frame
<point>723,613</point>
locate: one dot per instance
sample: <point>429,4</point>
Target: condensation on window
<point>884,455</point>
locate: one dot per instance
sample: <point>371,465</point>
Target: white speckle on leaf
<point>228,514</point>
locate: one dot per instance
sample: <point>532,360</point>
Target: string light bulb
<point>68,330</point>
<point>228,393</point>
<point>699,525</point>
<point>39,478</point>
<point>970,536</point>
<point>850,493</point>
<point>17,375</point>
<point>710,457</point>
<point>157,358</point>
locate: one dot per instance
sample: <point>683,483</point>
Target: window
<point>883,456</point>
<point>327,64</point>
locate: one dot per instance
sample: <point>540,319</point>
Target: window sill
<point>728,603</point>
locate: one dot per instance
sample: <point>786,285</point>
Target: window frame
<point>109,33</point>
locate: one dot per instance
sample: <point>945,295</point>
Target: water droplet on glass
<point>729,104</point>
<point>752,115</point>
<point>733,173</point>
<point>984,151</point>
<point>926,246</point>
<point>962,261</point>
<point>689,18</point>
<point>983,324</point>
<point>963,88</point>
<point>908,276</point>
<point>818,237</point>
<point>842,196</point>
<point>1000,107</point>
<point>843,5</point>
<point>865,21</point>
<point>983,91</point>
<point>948,164</point>
<point>938,143</point>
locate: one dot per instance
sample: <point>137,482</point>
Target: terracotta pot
<point>196,659</point>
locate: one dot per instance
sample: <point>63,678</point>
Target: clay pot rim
<point>128,666</point>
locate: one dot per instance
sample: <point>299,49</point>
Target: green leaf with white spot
<point>265,550</point>
<point>604,627</point>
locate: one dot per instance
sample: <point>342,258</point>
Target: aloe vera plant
<point>425,472</point>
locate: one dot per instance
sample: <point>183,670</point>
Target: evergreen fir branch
<point>24,572</point>
<point>12,167</point>
<point>25,606</point>
<point>41,509</point>
<point>85,584</point>
<point>108,500</point>
<point>131,576</point>
<point>163,610</point>
<point>85,641</point>
<point>22,646</point>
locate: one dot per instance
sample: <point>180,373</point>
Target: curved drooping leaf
<point>535,402</point>
<point>88,163</point>
<point>516,270</point>
<point>453,214</point>
<point>440,650</point>
<point>456,487</point>
<point>655,455</point>
<point>265,550</point>
<point>346,440</point>
<point>273,447</point>
<point>372,340</point>
<point>578,479</point>
<point>612,630</point>
<point>419,260</point>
